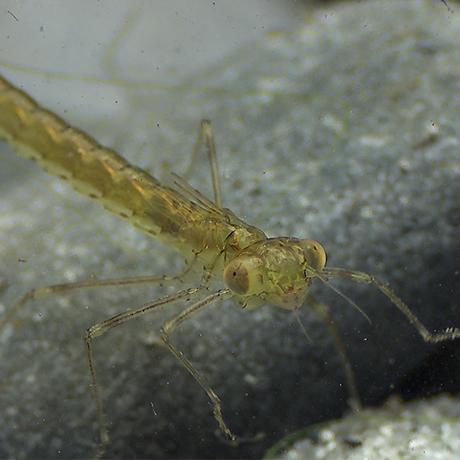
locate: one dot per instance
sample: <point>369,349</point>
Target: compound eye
<point>236,277</point>
<point>315,255</point>
<point>242,275</point>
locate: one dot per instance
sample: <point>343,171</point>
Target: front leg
<point>169,327</point>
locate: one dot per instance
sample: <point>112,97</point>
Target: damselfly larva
<point>252,268</point>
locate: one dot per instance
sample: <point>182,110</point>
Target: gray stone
<point>345,130</point>
<point>420,430</point>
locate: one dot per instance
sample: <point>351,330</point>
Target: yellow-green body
<point>102,174</point>
<point>255,268</point>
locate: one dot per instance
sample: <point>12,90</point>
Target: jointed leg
<point>37,293</point>
<point>206,136</point>
<point>169,327</point>
<point>102,327</point>
<point>324,313</point>
<point>448,334</point>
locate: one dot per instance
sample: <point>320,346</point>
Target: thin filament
<point>344,296</point>
<point>302,327</point>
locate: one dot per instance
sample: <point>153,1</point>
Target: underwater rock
<point>346,130</point>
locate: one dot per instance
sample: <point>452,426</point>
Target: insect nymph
<point>251,268</point>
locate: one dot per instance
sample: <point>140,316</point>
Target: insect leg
<point>104,326</point>
<point>56,289</point>
<point>450,333</point>
<point>168,329</point>
<point>323,311</point>
<point>206,136</point>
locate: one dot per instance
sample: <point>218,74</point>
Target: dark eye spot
<point>237,278</point>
